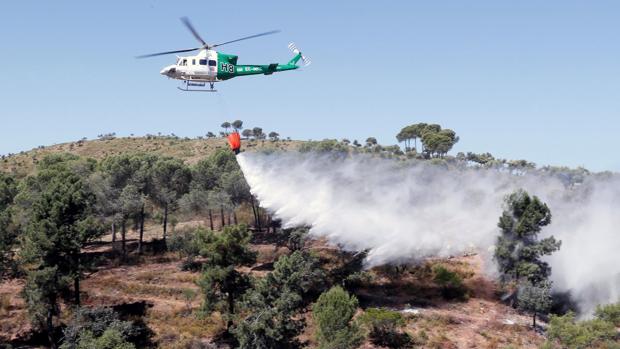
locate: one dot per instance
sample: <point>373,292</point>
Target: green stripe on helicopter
<point>227,70</point>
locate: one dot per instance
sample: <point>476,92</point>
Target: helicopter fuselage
<point>211,66</point>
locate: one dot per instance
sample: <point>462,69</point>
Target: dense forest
<point>157,241</point>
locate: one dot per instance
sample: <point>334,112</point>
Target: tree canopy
<point>518,250</point>
<point>436,141</point>
<point>333,314</point>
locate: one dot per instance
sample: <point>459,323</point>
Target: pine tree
<point>221,283</point>
<point>333,313</point>
<point>59,206</point>
<point>518,250</point>
<point>277,301</point>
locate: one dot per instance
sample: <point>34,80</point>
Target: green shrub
<point>384,325</point>
<point>609,313</point>
<point>576,335</point>
<point>324,146</point>
<point>451,283</point>
<point>188,243</point>
<point>332,314</point>
<point>101,328</point>
<point>111,338</point>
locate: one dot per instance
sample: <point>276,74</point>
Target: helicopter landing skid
<point>188,86</point>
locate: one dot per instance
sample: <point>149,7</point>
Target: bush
<point>332,314</point>
<point>324,146</point>
<point>585,334</point>
<point>101,328</point>
<point>111,338</point>
<point>384,326</point>
<point>609,313</point>
<point>451,283</point>
<point>188,244</point>
<point>297,239</point>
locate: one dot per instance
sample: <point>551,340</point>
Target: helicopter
<point>210,66</point>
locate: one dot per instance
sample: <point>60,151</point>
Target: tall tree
<point>436,141</point>
<point>237,125</point>
<point>60,221</point>
<point>274,136</point>
<point>257,132</point>
<point>171,179</point>
<point>197,201</point>
<point>130,204</point>
<point>518,250</point>
<point>221,283</point>
<point>226,125</point>
<point>371,141</point>
<point>247,133</point>
<point>219,200</point>
<point>237,188</point>
<point>118,173</point>
<point>218,184</point>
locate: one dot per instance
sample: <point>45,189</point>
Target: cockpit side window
<point>184,62</point>
<point>193,62</point>
<point>212,63</point>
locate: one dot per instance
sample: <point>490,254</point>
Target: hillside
<point>163,291</point>
<point>188,150</point>
<point>166,297</point>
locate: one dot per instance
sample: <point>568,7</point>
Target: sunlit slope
<point>189,150</point>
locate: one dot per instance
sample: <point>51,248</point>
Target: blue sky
<point>520,79</point>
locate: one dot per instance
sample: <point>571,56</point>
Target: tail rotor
<point>306,60</point>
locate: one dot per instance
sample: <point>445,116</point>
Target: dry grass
<point>188,150</point>
<point>172,327</point>
<point>175,299</point>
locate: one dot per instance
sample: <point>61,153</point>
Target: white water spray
<point>407,211</point>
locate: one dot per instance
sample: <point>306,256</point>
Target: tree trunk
<point>231,311</point>
<point>534,320</point>
<point>260,228</point>
<point>211,219</point>
<point>235,217</point>
<point>113,235</point>
<point>50,328</point>
<point>269,224</point>
<point>141,229</point>
<point>76,289</point>
<point>165,221</point>
<point>123,234</point>
<point>258,219</point>
<point>76,278</point>
<point>254,212</point>
<point>222,216</point>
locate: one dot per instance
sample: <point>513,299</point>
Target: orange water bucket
<point>234,141</point>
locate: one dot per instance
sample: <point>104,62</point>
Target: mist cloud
<point>403,211</point>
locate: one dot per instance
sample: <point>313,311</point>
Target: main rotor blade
<point>191,28</point>
<point>248,37</point>
<point>168,52</point>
